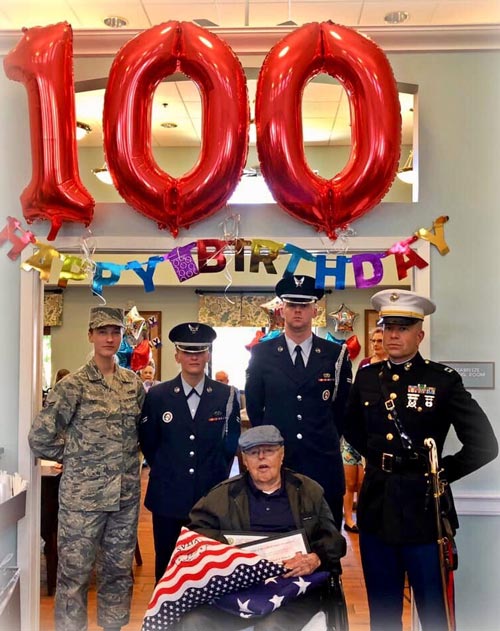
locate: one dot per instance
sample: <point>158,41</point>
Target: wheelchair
<point>333,603</point>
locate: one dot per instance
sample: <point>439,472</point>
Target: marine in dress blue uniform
<point>393,407</point>
<point>307,405</point>
<point>189,434</point>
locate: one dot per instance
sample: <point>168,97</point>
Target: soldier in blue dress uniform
<point>393,407</point>
<point>303,392</point>
<point>189,434</point>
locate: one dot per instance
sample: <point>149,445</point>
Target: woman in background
<point>353,462</point>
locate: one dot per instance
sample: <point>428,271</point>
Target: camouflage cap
<point>106,316</point>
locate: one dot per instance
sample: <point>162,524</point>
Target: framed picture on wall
<point>371,317</point>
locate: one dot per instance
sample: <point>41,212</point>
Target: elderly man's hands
<point>301,564</point>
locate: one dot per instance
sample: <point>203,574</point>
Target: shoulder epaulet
<point>440,367</point>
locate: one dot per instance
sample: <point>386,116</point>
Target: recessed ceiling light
<point>167,124</point>
<point>396,17</point>
<point>115,21</point>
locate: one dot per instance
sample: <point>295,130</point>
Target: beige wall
<point>70,346</point>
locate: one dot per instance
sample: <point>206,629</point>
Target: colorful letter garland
<point>211,253</point>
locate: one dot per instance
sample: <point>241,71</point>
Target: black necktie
<point>299,359</point>
<point>193,391</point>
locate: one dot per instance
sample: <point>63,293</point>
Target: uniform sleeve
<point>355,428</point>
<point>326,541</point>
<point>233,427</point>
<point>254,391</point>
<point>343,387</point>
<point>46,436</point>
<point>474,431</point>
<point>148,430</point>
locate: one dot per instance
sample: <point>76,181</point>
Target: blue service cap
<point>192,337</point>
<point>260,435</point>
<point>301,289</point>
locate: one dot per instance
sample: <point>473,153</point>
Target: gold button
<point>419,409</point>
<point>367,403</point>
<point>395,377</point>
<point>390,417</point>
<point>393,396</point>
<point>389,436</point>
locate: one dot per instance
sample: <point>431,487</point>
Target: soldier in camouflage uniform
<point>90,426</point>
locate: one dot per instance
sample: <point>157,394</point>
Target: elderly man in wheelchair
<point>269,498</point>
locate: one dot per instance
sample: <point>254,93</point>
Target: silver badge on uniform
<point>325,395</point>
<point>177,389</point>
<point>167,417</point>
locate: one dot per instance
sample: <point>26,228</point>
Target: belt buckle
<point>387,460</point>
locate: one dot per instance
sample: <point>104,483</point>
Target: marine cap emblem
<point>394,297</point>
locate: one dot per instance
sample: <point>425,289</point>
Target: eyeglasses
<point>266,451</point>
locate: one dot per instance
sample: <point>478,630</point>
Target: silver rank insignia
<point>177,389</point>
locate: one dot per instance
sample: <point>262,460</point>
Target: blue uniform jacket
<point>187,456</point>
<point>308,410</point>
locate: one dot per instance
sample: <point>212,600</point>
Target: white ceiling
<point>141,14</point>
<point>325,104</point>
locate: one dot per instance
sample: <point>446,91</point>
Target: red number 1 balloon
<point>43,61</point>
<point>362,68</point>
<point>136,72</point>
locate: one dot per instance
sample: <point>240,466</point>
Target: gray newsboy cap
<point>260,435</point>
<point>105,316</point>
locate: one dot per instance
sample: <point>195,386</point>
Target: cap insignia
<point>298,281</point>
<point>394,297</point>
<point>193,328</point>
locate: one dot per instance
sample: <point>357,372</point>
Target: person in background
<point>393,407</point>
<point>354,472</point>
<point>300,383</point>
<point>354,469</point>
<point>222,377</point>
<point>269,498</point>
<point>62,372</point>
<point>377,345</point>
<point>147,374</point>
<point>188,434</point>
<point>90,426</point>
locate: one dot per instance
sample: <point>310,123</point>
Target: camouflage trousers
<point>107,541</point>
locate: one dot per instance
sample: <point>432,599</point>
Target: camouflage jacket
<point>91,427</point>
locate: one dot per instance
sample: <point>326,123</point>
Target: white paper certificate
<point>278,548</point>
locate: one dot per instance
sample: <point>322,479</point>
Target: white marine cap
<point>400,306</point>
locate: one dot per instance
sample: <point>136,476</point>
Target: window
<point>229,352</point>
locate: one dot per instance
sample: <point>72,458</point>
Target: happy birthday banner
<point>212,257</point>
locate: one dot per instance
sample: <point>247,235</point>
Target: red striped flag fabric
<point>200,571</point>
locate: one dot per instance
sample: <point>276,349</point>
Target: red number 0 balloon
<point>43,61</point>
<point>362,68</point>
<point>136,72</point>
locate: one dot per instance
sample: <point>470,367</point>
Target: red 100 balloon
<point>43,62</point>
<point>57,194</point>
<point>362,68</point>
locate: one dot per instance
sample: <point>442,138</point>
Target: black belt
<point>396,464</point>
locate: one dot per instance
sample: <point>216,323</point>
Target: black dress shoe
<point>354,528</point>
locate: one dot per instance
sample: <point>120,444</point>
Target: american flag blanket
<point>200,571</point>
<point>266,597</point>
